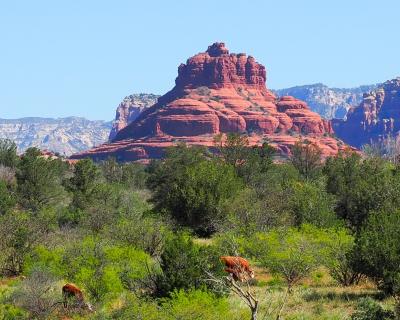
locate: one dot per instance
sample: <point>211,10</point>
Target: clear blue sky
<point>62,58</point>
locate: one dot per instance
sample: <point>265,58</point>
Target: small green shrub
<point>134,308</point>
<point>196,304</point>
<point>184,265</point>
<point>203,91</point>
<point>369,309</point>
<point>101,268</point>
<point>11,312</point>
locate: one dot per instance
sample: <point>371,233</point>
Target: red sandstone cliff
<point>218,92</point>
<point>375,118</point>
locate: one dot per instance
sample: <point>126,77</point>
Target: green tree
<point>134,175</point>
<point>307,159</point>
<point>165,176</point>
<point>83,183</point>
<point>193,189</point>
<point>184,265</point>
<point>7,198</point>
<point>143,232</point>
<point>361,186</point>
<point>291,253</point>
<point>234,149</point>
<point>339,246</point>
<point>310,203</point>
<point>112,170</point>
<point>251,163</point>
<point>39,181</point>
<point>379,247</point>
<point>104,208</point>
<point>8,153</point>
<point>20,232</point>
<point>266,203</point>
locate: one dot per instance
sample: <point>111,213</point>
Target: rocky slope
<point>65,135</point>
<point>377,116</point>
<point>218,92</point>
<point>129,109</point>
<point>328,102</point>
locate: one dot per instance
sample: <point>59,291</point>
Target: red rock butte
<point>375,119</point>
<point>218,92</point>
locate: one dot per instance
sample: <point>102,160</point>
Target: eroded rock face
<point>129,109</point>
<point>218,92</point>
<point>216,68</point>
<point>375,118</point>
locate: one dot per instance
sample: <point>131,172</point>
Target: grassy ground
<point>317,297</point>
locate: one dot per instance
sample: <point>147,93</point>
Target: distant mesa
<point>218,92</point>
<point>375,118</point>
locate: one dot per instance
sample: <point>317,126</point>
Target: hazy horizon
<point>64,59</point>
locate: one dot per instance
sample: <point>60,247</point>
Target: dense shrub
<point>8,153</point>
<point>249,162</point>
<point>143,232</point>
<point>20,232</point>
<point>196,304</point>
<point>185,265</point>
<point>193,189</point>
<point>339,246</point>
<point>379,246</point>
<point>369,309</point>
<point>7,198</point>
<point>294,253</point>
<point>306,157</point>
<point>361,186</point>
<point>131,175</point>
<point>83,183</point>
<point>188,305</point>
<point>134,308</point>
<point>40,181</point>
<point>11,312</point>
<point>310,203</point>
<point>102,269</point>
<point>38,294</point>
<point>8,309</point>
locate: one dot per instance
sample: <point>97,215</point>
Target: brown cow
<point>238,267</point>
<point>71,291</point>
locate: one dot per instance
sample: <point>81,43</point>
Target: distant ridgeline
<point>328,102</point>
<point>73,135</point>
<point>63,135</point>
